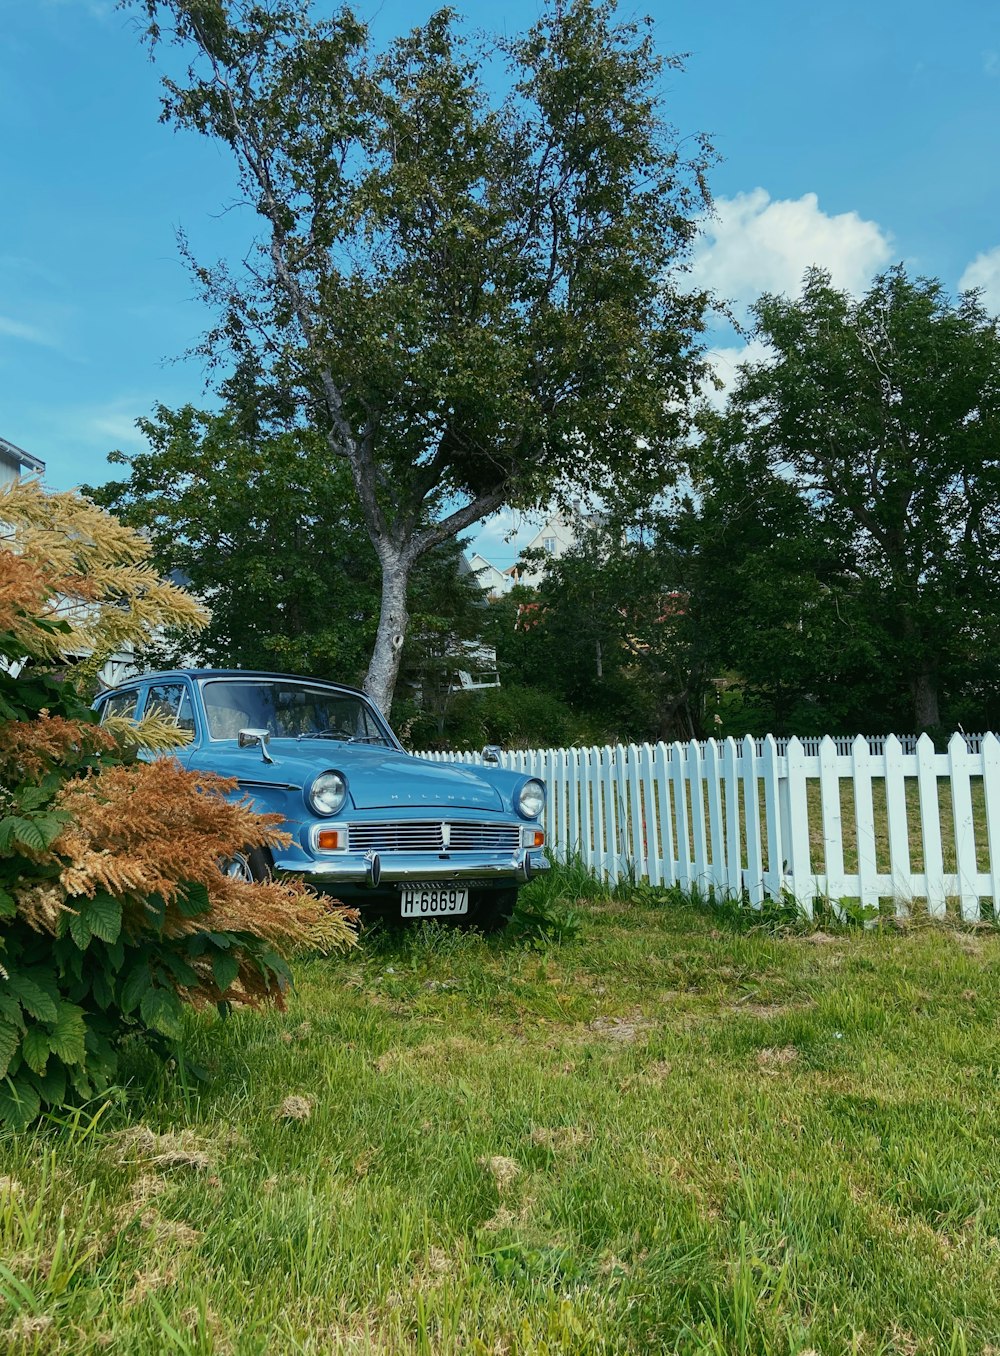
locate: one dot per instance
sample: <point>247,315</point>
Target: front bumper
<point>371,869</point>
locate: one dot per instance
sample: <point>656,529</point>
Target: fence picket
<point>899,842</point>
<point>650,820</point>
<point>734,854</point>
<point>833,824</point>
<point>751,818</point>
<point>664,817</point>
<point>678,787</point>
<point>965,845</point>
<point>930,827</point>
<point>609,825</point>
<point>803,884</point>
<point>696,781</point>
<point>774,877</point>
<point>713,786</point>
<point>991,793</point>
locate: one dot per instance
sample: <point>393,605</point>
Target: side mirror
<point>248,738</point>
<point>491,755</point>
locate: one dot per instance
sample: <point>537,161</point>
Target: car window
<point>121,704</point>
<point>289,709</point>
<point>171,701</point>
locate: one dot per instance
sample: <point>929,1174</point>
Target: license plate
<point>431,901</point>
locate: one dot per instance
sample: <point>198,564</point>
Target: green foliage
<point>81,971</point>
<point>878,422</point>
<point>511,715</point>
<point>473,296</point>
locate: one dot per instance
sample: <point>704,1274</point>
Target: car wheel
<point>249,864</point>
<point>491,910</point>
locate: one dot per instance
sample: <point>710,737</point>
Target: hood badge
<point>446,836</point>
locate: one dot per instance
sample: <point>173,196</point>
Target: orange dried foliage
<point>155,828</point>
<point>29,749</point>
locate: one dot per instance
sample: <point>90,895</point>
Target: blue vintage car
<point>370,823</point>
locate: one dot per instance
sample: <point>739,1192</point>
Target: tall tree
<point>885,413</point>
<point>472,298</point>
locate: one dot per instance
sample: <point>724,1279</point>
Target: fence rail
<point>881,821</point>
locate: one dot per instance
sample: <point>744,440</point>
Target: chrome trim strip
<point>400,867</point>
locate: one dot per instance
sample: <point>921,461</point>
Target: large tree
<point>884,412</point>
<point>476,300</point>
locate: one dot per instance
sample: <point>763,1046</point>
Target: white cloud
<point>725,362</point>
<point>756,244</point>
<point>984,272</point>
<point>16,329</point>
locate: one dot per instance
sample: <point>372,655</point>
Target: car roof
<point>163,675</point>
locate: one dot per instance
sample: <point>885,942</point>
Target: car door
<point>171,699</point>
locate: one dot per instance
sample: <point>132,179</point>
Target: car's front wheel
<point>491,910</point>
<point>249,864</point>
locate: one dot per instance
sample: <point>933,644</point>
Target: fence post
<point>965,844</point>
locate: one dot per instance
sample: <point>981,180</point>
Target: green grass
<point>668,1134</point>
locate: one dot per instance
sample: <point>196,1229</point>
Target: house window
<point>549,545</point>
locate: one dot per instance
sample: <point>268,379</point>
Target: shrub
<point>114,908</point>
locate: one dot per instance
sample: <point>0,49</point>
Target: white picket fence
<point>874,821</point>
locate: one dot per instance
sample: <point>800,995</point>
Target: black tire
<point>490,910</point>
<point>249,864</point>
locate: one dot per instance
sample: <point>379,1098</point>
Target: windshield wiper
<point>326,734</point>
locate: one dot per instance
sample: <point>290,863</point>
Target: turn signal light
<point>331,840</point>
<point>539,838</point>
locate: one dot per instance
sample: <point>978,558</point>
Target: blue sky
<point>853,135</point>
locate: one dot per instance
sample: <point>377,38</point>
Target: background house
<point>14,461</point>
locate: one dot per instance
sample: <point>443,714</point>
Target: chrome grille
<point>433,836</point>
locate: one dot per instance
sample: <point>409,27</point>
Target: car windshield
<point>293,710</point>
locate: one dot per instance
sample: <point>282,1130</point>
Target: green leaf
<point>103,915</point>
<point>19,1103</point>
<point>8,905</point>
<point>35,1047</point>
<point>161,1009</point>
<point>194,901</point>
<point>10,1039</point>
<point>34,998</point>
<point>79,930</point>
<point>138,982</point>
<point>52,1084</point>
<point>66,1035</point>
<point>225,968</point>
<point>27,832</point>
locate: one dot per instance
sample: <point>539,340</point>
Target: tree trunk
<point>926,713</point>
<point>380,680</point>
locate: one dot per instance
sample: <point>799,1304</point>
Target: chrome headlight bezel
<point>532,791</point>
<point>327,793</point>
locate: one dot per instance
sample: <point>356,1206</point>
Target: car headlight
<point>327,793</point>
<point>531,800</point>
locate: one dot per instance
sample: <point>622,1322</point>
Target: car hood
<point>377,778</point>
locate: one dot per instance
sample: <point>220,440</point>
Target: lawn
<point>666,1134</point>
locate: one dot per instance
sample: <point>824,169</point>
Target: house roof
<point>16,456</point>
